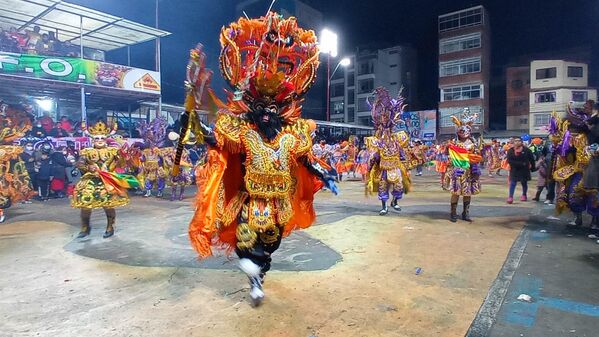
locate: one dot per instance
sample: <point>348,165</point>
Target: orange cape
<point>225,167</point>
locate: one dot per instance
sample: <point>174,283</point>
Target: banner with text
<point>422,124</point>
<point>76,70</point>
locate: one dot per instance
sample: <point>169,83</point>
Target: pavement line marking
<point>525,314</point>
<point>487,314</point>
<point>570,306</point>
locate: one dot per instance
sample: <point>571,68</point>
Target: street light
<point>328,45</point>
<point>344,63</point>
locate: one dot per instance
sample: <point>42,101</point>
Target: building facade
<point>464,67</point>
<point>392,68</point>
<point>517,88</point>
<point>553,85</point>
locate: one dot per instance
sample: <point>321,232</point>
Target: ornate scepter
<point>197,79</point>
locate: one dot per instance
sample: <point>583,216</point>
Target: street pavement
<point>354,273</point>
<point>558,267</point>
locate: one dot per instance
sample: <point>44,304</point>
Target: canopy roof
<point>100,30</point>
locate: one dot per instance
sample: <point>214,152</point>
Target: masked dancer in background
<point>99,186</point>
<point>15,185</point>
<point>462,177</point>
<point>183,177</point>
<point>388,175</point>
<point>575,171</point>
<point>153,172</point>
<point>262,174</point>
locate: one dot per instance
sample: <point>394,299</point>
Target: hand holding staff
<point>198,78</point>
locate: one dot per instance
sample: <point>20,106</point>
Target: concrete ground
<point>352,274</point>
<point>558,267</point>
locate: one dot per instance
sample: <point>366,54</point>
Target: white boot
<point>252,270</point>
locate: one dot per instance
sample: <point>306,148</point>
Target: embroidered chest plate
<point>268,166</point>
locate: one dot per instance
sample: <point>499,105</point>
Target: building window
<point>545,97</point>
<point>461,93</point>
<point>365,121</point>
<point>350,79</point>
<point>366,86</point>
<point>517,84</point>
<point>338,108</point>
<point>462,19</point>
<point>392,83</point>
<point>546,73</point>
<point>446,113</point>
<point>519,103</point>
<point>580,96</point>
<point>351,115</point>
<point>523,121</point>
<point>351,96</point>
<point>575,71</point>
<point>541,119</point>
<point>337,90</point>
<point>366,67</point>
<point>460,43</point>
<point>362,105</point>
<point>459,67</point>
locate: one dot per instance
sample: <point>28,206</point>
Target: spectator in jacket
<point>58,131</point>
<point>59,174</point>
<point>44,175</point>
<point>28,156</point>
<point>38,131</point>
<point>522,163</point>
<point>542,179</point>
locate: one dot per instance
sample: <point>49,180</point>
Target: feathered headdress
<point>268,59</point>
<point>465,121</point>
<point>387,112</point>
<point>153,133</point>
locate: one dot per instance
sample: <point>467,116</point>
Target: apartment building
<point>464,67</point>
<point>553,85</point>
<point>392,68</point>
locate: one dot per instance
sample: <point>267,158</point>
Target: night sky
<point>518,27</point>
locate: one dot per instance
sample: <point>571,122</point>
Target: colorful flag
<point>459,157</point>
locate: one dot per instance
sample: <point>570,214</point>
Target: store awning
<point>100,30</point>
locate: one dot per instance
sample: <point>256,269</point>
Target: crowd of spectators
<point>36,42</point>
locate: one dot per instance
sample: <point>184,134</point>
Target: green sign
<point>76,70</point>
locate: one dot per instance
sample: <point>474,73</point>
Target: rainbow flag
<point>459,157</point>
<point>117,183</point>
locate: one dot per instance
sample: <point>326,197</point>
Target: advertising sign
<point>76,70</point>
<point>422,124</point>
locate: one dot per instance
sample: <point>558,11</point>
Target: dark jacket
<point>521,165</point>
<point>59,164</point>
<point>29,160</point>
<point>45,169</point>
<point>38,132</point>
<point>590,178</point>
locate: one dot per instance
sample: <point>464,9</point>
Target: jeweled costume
<point>573,138</point>
<point>462,177</point>
<point>99,186</point>
<point>260,178</point>
<point>183,177</point>
<point>388,175</point>
<point>153,172</point>
<point>15,185</point>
